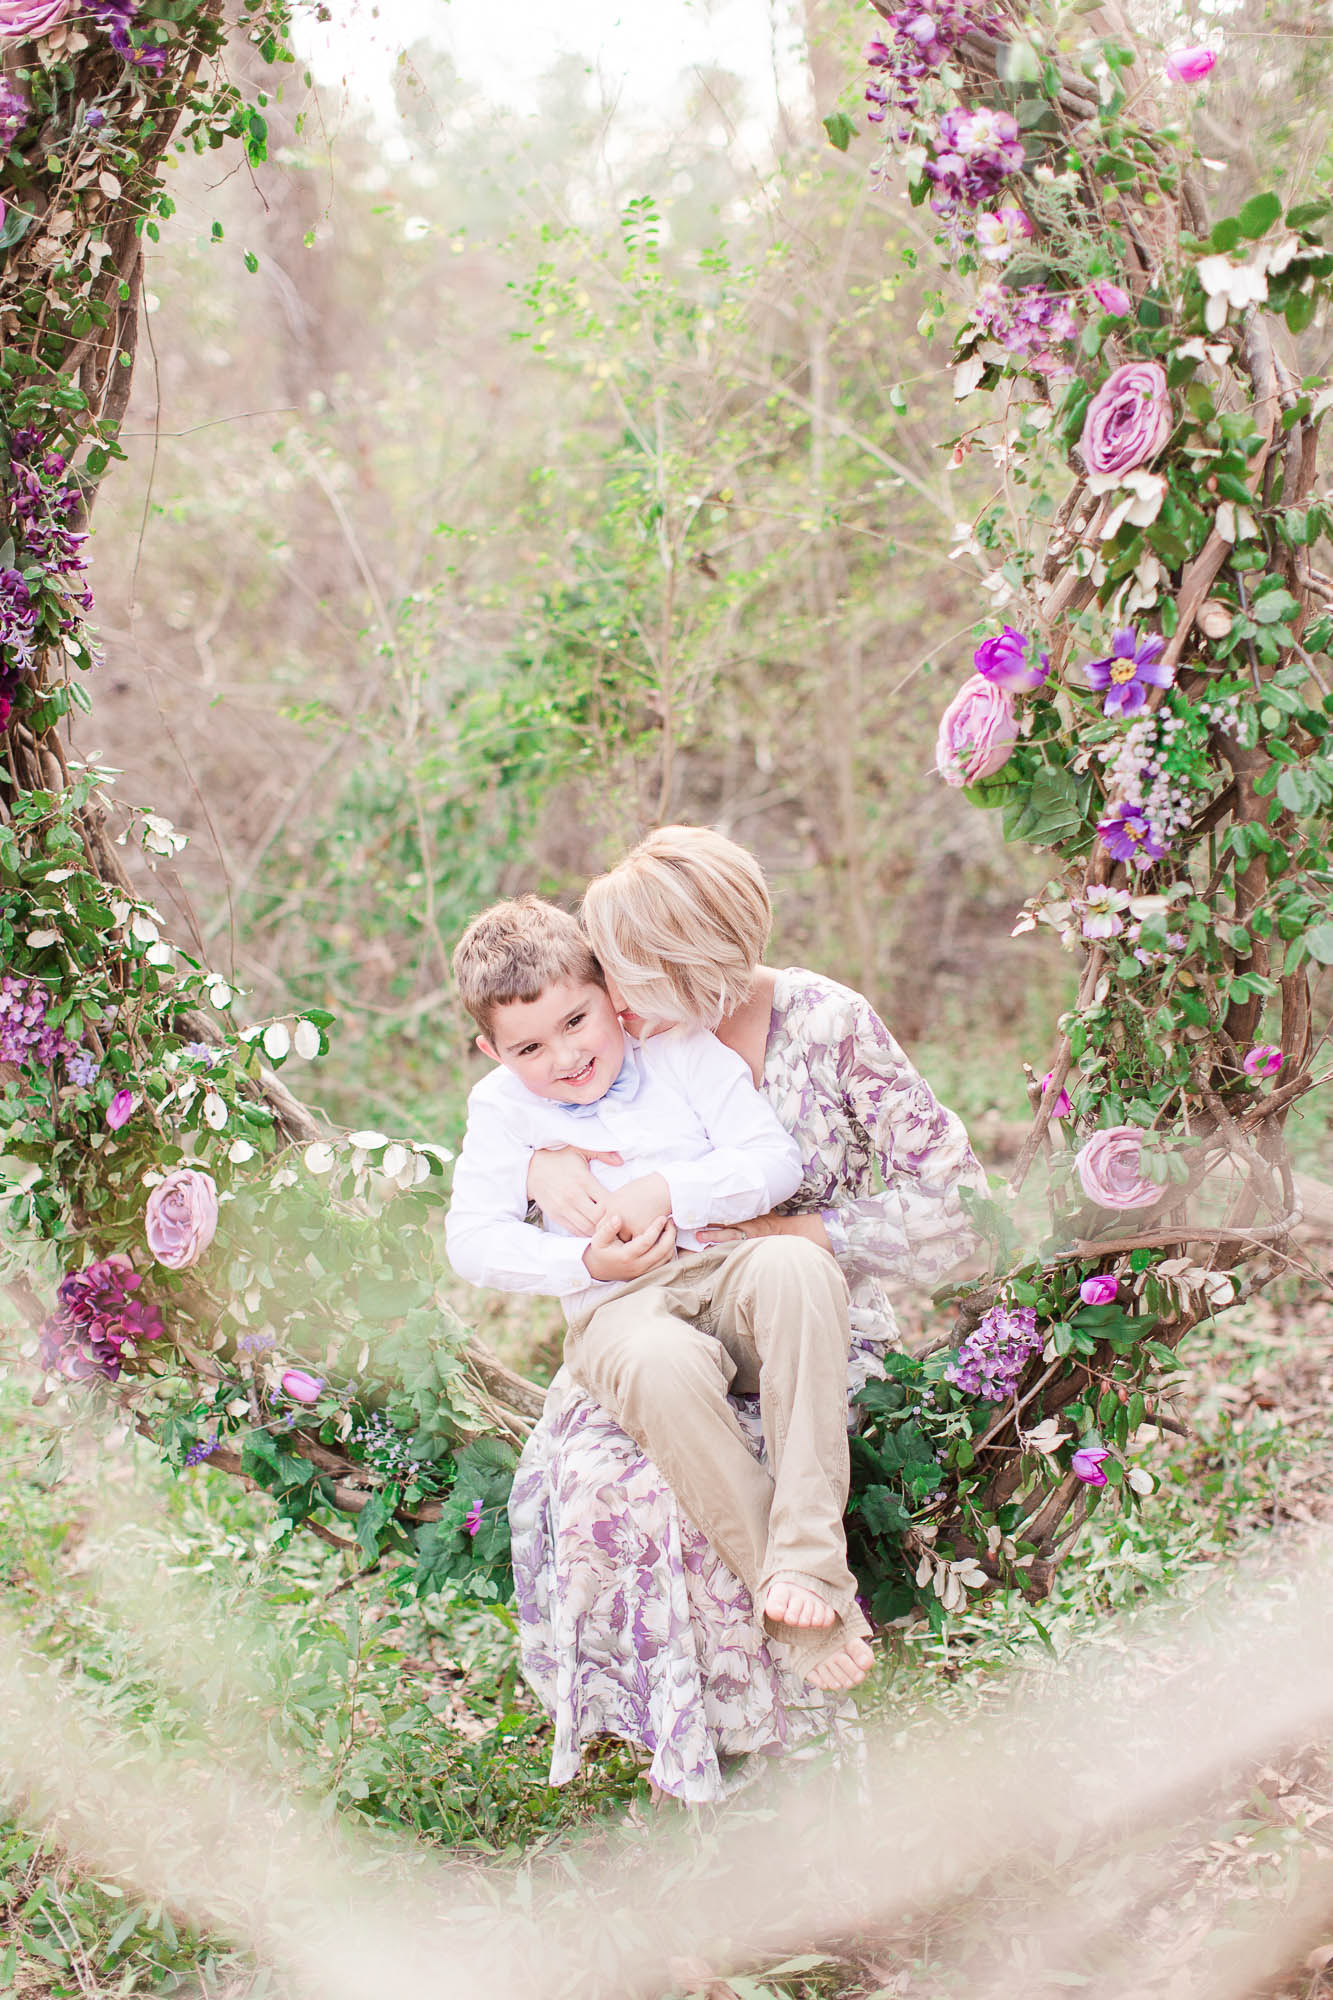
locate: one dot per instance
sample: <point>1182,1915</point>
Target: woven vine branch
<point>254,1291</point>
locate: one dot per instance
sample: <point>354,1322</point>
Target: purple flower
<point>94,118</point>
<point>1031,324</point>
<point>14,113</point>
<point>302,1388</point>
<point>1099,1291</point>
<point>1101,911</point>
<point>913,42</point>
<point>977,733</point>
<point>975,153</point>
<point>994,1355</point>
<point>203,1449</point>
<point>1113,299</point>
<point>472,1519</point>
<point>181,1218</point>
<point>1129,670</point>
<point>1001,234</point>
<point>1011,661</point>
<point>1128,420</point>
<point>1062,1105</point>
<point>82,1069</point>
<point>117,16</point>
<point>1109,1167</point>
<point>96,1316</point>
<point>1086,1464</point>
<point>25,1035</point>
<point>1127,834</point>
<point>18,617</point>
<point>1264,1059</point>
<point>1189,65</point>
<point>121,1109</point>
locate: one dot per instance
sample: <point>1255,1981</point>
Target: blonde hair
<point>680,925</point>
<point>514,951</point>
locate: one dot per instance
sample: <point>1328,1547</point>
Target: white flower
<point>1230,286</point>
<point>215,1110</point>
<point>277,1041</point>
<point>160,836</point>
<point>319,1157</point>
<point>306,1040</point>
<point>143,929</point>
<point>239,1151</point>
<point>219,994</point>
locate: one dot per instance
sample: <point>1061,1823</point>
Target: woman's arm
<point>917,1229</point>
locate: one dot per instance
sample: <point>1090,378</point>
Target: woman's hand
<point>809,1226</point>
<point>565,1190</point>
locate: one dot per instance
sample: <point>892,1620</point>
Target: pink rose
<point>181,1217</point>
<point>302,1388</point>
<point>1128,420</point>
<point>1264,1059</point>
<point>1108,1166</point>
<point>1111,298</point>
<point>977,732</point>
<point>1086,1464</point>
<point>1189,65</point>
<point>24,20</point>
<point>121,1109</point>
<point>1099,1291</point>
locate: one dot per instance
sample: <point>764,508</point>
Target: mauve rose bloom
<point>1189,65</point>
<point>1011,661</point>
<point>1108,1166</point>
<point>181,1217</point>
<point>1111,298</point>
<point>1264,1059</point>
<point>302,1388</point>
<point>978,730</point>
<point>24,20</point>
<point>1099,1291</point>
<point>1128,420</point>
<point>121,1109</point>
<point>1086,1464</point>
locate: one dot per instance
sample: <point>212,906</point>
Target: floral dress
<point>630,1625</point>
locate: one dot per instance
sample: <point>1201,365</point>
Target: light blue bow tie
<point>625,1087</point>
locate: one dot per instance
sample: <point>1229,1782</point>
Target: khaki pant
<point>768,1314</point>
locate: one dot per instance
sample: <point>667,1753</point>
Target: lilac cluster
<point>46,503</point>
<point>26,1036</point>
<point>1030,324</point>
<point>1154,800</point>
<point>14,113</point>
<point>82,1069</point>
<point>97,1315</point>
<point>921,39</point>
<point>204,1448</point>
<point>117,17</point>
<point>18,623</point>
<point>975,153</point>
<point>994,1355</point>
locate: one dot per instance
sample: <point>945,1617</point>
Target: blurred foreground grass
<point>406,1718</point>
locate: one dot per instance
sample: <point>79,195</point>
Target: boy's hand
<point>608,1258</point>
<point>640,1202</point>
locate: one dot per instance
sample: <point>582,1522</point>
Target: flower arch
<point>1151,707</point>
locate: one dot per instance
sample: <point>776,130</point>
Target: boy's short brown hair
<point>514,951</point>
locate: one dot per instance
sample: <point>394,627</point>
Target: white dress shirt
<point>696,1119</point>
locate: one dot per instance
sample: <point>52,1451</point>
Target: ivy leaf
<point>1048,814</point>
<point>1259,214</point>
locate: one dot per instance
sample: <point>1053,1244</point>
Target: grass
<point>397,1717</point>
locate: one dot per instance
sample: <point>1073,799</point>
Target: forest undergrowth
<point>393,1716</point>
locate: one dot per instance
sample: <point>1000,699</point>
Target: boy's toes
<point>789,1604</point>
<point>845,1669</point>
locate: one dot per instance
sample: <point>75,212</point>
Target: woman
<point>630,1624</point>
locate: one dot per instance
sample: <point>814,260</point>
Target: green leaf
<point>1306,213</point>
<point>1226,234</point>
<point>1259,214</point>
<point>841,130</point>
<point>1048,814</point>
<point>1299,311</point>
<point>1319,943</point>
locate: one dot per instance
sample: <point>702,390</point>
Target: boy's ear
<point>487,1048</point>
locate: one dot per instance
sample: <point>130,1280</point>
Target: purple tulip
<point>1109,1168</point>
<point>1113,299</point>
<point>1189,65</point>
<point>472,1519</point>
<point>302,1388</point>
<point>1128,420</point>
<point>121,1109</point>
<point>1264,1059</point>
<point>1062,1105</point>
<point>1086,1464</point>
<point>1099,1291</point>
<point>977,733</point>
<point>1012,662</point>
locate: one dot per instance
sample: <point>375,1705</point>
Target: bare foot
<point>846,1668</point>
<point>789,1604</point>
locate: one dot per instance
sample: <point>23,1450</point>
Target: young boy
<point>660,1329</point>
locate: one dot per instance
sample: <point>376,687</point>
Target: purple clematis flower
<point>1086,1464</point>
<point>1127,834</point>
<point>1132,666</point>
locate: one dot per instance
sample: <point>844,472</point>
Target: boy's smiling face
<point>566,1045</point>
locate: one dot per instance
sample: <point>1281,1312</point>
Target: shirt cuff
<point>693,1199</point>
<point>567,1270</point>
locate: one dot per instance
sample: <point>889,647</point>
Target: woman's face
<point>633,1024</point>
